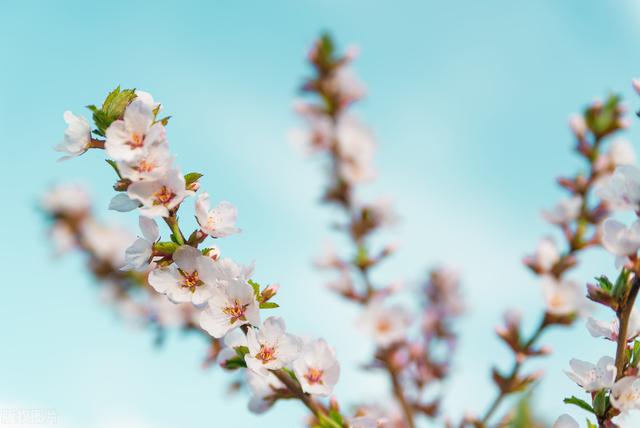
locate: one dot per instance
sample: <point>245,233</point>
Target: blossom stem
<point>96,144</point>
<point>624,313</point>
<point>398,392</point>
<point>306,399</point>
<point>515,370</point>
<point>172,222</point>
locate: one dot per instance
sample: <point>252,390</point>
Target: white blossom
<point>356,149</point>
<point>138,255</point>
<point>271,348</point>
<point>621,190</point>
<point>621,152</point>
<point>147,98</point>
<point>562,298</point>
<point>67,199</point>
<point>77,136</point>
<point>619,239</point>
<point>565,421</point>
<point>63,237</point>
<point>564,212</point>
<point>386,325</point>
<point>107,243</point>
<point>190,279</point>
<point>151,164</point>
<point>316,368</point>
<point>625,394</point>
<point>227,271</point>
<point>593,377</point>
<point>263,389</point>
<point>219,221</point>
<point>123,203</point>
<point>159,196</point>
<point>610,329</point>
<point>546,255</point>
<point>229,307</point>
<point>130,139</point>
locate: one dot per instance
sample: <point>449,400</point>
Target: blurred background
<point>469,102</point>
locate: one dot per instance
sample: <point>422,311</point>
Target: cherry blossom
<point>152,164</point>
<point>625,394</point>
<point>619,239</point>
<point>138,255</point>
<point>565,421</point>
<point>565,211</point>
<point>621,190</point>
<point>271,347</point>
<point>129,139</point>
<point>316,368</point>
<point>562,298</point>
<point>68,199</point>
<point>191,279</point>
<point>386,325</point>
<point>263,389</point>
<point>356,150</point>
<point>229,307</point>
<point>609,329</point>
<point>160,196</point>
<point>77,136</point>
<point>593,377</point>
<point>219,221</point>
<point>545,256</point>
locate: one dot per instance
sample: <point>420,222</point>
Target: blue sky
<point>468,100</point>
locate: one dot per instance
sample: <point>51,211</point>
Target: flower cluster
<point>220,296</point>
<point>335,133</point>
<point>578,217</point>
<point>612,382</point>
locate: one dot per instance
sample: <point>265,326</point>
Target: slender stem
<point>517,365</point>
<point>306,399</point>
<point>172,222</point>
<point>624,313</point>
<point>398,392</point>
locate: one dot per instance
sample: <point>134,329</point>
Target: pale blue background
<point>469,100</point>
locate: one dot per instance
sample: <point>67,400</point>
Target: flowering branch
<point>578,218</point>
<point>349,146</point>
<point>218,292</point>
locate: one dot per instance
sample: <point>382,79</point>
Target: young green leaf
<point>578,402</point>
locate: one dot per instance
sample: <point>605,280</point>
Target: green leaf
<point>235,363</point>
<point>112,108</point>
<point>578,402</point>
<point>290,373</point>
<point>114,166</point>
<point>241,351</point>
<point>604,283</point>
<point>191,178</point>
<point>164,121</point>
<point>255,286</point>
<point>269,305</point>
<point>600,403</point>
<point>620,287</point>
<point>635,354</point>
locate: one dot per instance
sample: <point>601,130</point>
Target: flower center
<point>383,326</point>
<point>266,354</point>
<point>163,196</point>
<point>235,311</point>
<point>313,376</point>
<point>211,222</point>
<point>136,141</point>
<point>145,166</point>
<point>191,280</point>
